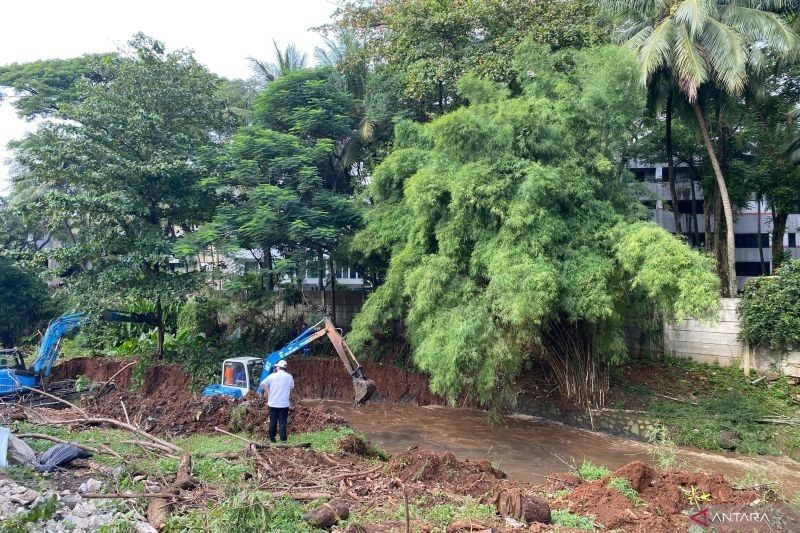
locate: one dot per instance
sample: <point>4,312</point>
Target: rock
<point>70,501</point>
<point>771,375</point>
<point>144,527</point>
<point>25,498</point>
<point>514,524</point>
<point>90,485</point>
<point>19,453</point>
<point>516,504</point>
<point>728,440</point>
<point>355,528</point>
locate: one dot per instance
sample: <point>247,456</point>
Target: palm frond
<point>633,33</point>
<point>761,27</point>
<point>654,52</point>
<point>726,50</point>
<point>691,68</point>
<point>694,13</point>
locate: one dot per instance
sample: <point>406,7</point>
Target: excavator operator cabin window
<point>255,374</point>
<point>234,374</point>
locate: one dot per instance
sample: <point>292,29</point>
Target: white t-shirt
<point>279,386</point>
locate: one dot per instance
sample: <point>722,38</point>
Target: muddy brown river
<point>526,448</point>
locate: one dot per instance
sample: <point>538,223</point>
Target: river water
<point>527,448</point>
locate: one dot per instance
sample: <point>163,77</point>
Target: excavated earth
<point>164,405</point>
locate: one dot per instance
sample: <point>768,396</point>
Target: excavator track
<point>61,389</point>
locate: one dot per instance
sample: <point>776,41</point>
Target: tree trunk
<point>321,274</point>
<point>707,224</point>
<point>694,227</point>
<point>719,242</point>
<point>333,290</point>
<point>778,229</point>
<point>725,199</point>
<point>270,279</point>
<point>671,166</point>
<point>758,236</point>
<point>159,330</point>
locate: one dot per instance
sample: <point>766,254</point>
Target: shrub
<point>770,309</point>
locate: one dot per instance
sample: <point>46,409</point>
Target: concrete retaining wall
<point>717,342</point>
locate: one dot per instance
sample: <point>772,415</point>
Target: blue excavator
<point>16,379</point>
<point>241,375</point>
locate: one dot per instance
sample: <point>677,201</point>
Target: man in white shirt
<point>277,387</point>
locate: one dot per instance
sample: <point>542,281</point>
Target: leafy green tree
<point>24,303</point>
<point>123,167</point>
<point>429,44</point>
<point>704,42</point>
<point>289,187</point>
<point>511,236</point>
<point>41,86</point>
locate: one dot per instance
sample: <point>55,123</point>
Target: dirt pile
<point>667,498</point>
<point>173,411</point>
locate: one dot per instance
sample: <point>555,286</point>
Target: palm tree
<point>700,42</point>
<point>290,58</point>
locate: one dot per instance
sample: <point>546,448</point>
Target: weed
<point>560,494</point>
<point>564,518</point>
<point>82,383</point>
<point>591,472</point>
<point>664,451</point>
<point>624,487</point>
<point>638,388</point>
<point>796,500</point>
<point>236,417</point>
<point>695,496</point>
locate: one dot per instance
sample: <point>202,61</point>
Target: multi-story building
<point>746,226</point>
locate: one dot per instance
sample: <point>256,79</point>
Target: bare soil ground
<point>375,489</point>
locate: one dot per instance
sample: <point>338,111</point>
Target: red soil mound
<point>666,506</point>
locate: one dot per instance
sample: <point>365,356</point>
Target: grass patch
<point>564,518</point>
<point>326,440</point>
<point>591,472</point>
<point>22,522</point>
<point>624,487</point>
<point>243,511</point>
<point>90,437</point>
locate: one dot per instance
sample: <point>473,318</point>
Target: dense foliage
<point>770,309</point>
<point>24,303</point>
<point>129,156</point>
<point>512,233</point>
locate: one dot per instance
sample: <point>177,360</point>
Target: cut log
<point>159,509</point>
<point>516,504</point>
<point>328,514</point>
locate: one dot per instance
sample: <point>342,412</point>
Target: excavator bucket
<point>364,389</point>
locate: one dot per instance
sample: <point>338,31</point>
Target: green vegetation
<point>41,512</point>
<point>591,472</point>
<point>24,304</point>
<point>625,488</point>
<point>770,309</point>
<point>564,518</point>
<point>727,403</point>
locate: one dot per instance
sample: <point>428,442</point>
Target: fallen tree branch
<point>121,425</point>
<point>238,437</point>
<point>356,475</point>
<point>56,398</point>
<point>302,496</point>
<point>785,420</point>
<point>97,394</point>
<point>42,436</point>
<point>132,495</point>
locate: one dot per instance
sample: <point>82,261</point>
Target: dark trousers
<point>278,417</point>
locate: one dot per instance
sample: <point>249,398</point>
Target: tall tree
<point>122,167</point>
<point>429,44</point>
<point>704,42</point>
<point>286,60</point>
<point>289,187</point>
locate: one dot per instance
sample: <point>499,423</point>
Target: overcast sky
<point>222,34</point>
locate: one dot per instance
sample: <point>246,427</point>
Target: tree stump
<point>516,504</point>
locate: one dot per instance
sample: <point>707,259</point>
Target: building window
<point>751,268</point>
<point>792,240</point>
<point>750,240</point>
